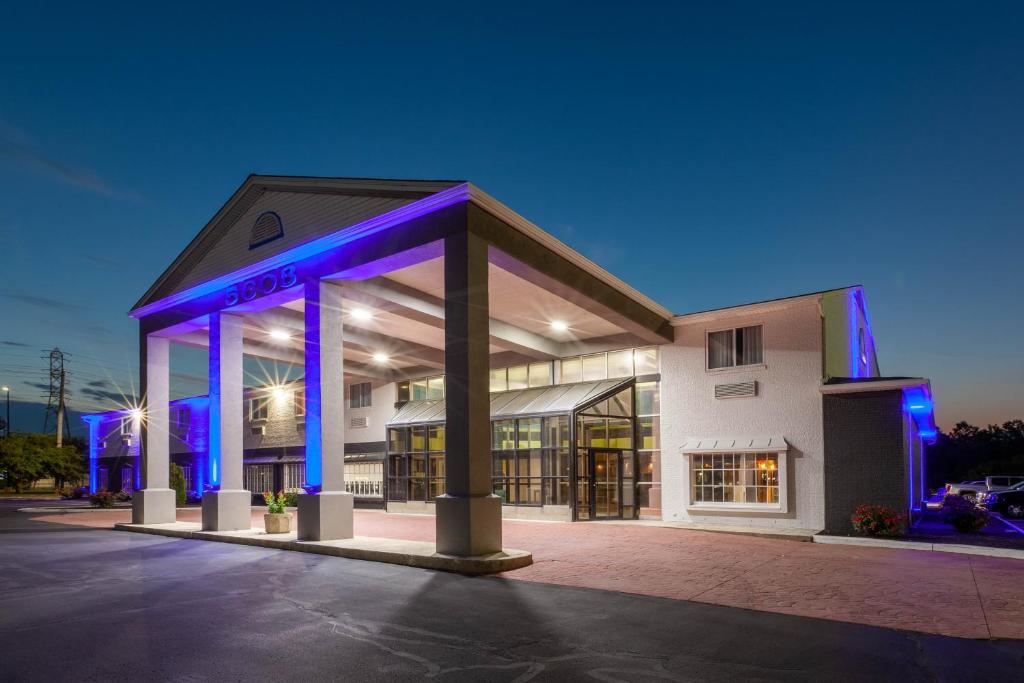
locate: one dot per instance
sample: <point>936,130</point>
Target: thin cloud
<point>42,301</point>
<point>17,345</point>
<point>16,149</point>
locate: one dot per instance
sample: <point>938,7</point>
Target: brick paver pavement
<point>944,593</point>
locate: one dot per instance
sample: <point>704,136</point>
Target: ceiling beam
<point>411,303</point>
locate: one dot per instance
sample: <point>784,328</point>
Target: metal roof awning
<point>539,401</point>
<point>736,444</point>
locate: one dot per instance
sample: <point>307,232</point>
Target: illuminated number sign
<point>261,285</point>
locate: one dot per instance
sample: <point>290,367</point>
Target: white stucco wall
<point>382,407</point>
<point>788,404</point>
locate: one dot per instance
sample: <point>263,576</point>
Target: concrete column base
<point>325,516</point>
<point>227,510</point>
<point>153,506</point>
<point>468,526</point>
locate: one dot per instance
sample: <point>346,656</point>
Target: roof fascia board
<point>883,385</point>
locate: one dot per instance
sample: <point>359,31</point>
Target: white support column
<point>325,510</point>
<point>468,514</point>
<point>154,503</point>
<point>228,506</point>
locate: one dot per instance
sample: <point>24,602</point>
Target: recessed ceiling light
<point>280,335</point>
<point>380,357</point>
<point>361,314</point>
<point>559,325</point>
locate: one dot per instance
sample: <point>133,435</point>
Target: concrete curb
<point>955,548</point>
<point>392,551</point>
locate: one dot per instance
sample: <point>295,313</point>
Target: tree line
<point>968,452</point>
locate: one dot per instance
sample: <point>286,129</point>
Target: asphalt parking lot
<point>89,604</point>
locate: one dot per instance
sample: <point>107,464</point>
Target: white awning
<point>736,444</point>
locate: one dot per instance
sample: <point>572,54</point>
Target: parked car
<point>1009,502</point>
<point>978,488</point>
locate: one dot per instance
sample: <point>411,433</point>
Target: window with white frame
<point>180,417</point>
<point>259,408</point>
<point>127,422</point>
<point>735,478</point>
<point>360,395</point>
<point>736,347</point>
<point>299,402</point>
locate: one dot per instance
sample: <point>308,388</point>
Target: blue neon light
<point>214,435</point>
<point>427,205</point>
<point>314,409</point>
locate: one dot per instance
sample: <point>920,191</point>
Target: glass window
<point>499,380</point>
<point>595,367</point>
<point>620,364</point>
<point>529,433</point>
<point>518,377</point>
<point>720,349</point>
<point>504,436</point>
<point>259,408</point>
<point>556,431</point>
<point>735,478</point>
<point>418,442</point>
<point>436,438</point>
<point>733,348</point>
<point>435,387</point>
<point>648,400</point>
<point>649,432</point>
<point>646,361</point>
<point>419,390</point>
<point>397,440</point>
<point>403,391</point>
<point>570,371</point>
<point>540,374</point>
<point>749,346</point>
<point>299,402</point>
<point>359,395</point>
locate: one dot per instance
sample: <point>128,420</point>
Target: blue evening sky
<point>709,154</point>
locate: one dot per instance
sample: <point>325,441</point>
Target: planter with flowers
<point>276,520</point>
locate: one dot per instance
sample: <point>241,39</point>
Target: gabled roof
<point>755,306</point>
<point>225,238</point>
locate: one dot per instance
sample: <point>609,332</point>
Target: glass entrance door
<point>606,484</point>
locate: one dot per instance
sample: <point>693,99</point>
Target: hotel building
<point>457,360</point>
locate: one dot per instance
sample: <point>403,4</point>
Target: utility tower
<point>57,395</point>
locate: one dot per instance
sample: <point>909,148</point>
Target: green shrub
<point>963,514</point>
<point>291,499</point>
<point>876,520</point>
<point>102,499</point>
<point>177,480</point>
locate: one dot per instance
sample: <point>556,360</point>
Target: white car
<point>979,488</point>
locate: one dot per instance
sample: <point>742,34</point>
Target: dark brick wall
<point>865,458</point>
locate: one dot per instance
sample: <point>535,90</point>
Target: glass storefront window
<point>418,442</point>
<point>570,371</point>
<point>436,438</point>
<point>504,434</point>
<point>396,440</point>
<point>556,431</point>
<point>529,433</point>
<point>648,401</point>
<point>649,432</point>
<point>620,364</point>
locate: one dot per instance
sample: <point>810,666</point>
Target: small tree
<point>177,477</point>
<point>26,458</point>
